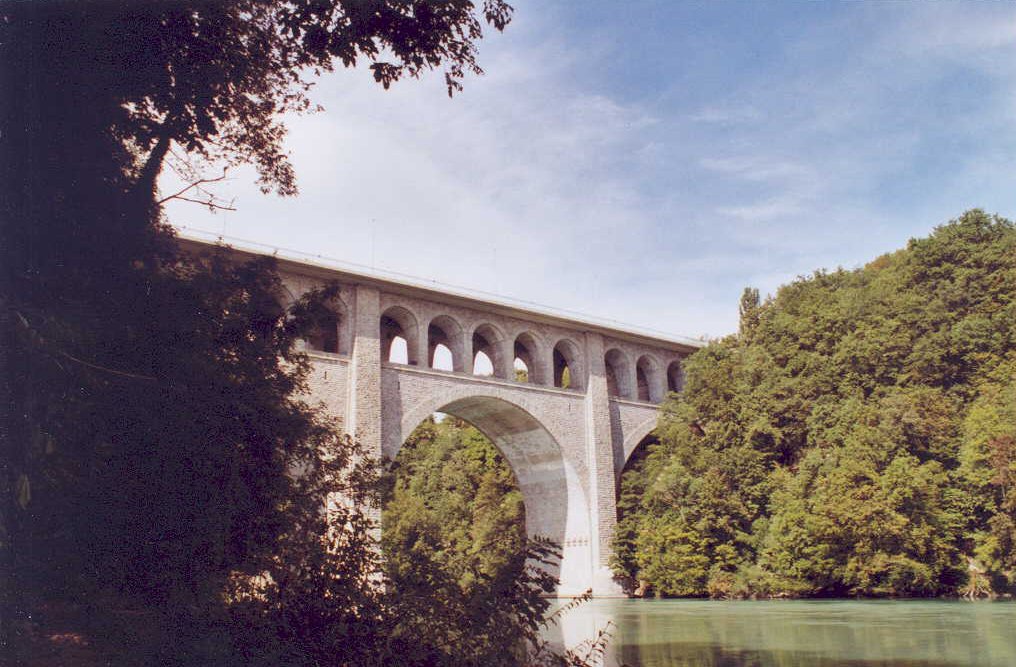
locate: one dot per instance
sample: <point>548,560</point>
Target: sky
<point>644,162</point>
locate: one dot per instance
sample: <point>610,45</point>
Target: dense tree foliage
<point>452,501</point>
<point>454,530</point>
<point>855,437</point>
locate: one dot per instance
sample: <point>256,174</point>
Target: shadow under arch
<point>552,494</point>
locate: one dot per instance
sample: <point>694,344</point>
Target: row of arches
<point>649,382</point>
<point>486,350</point>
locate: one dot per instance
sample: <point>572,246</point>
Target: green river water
<point>796,633</point>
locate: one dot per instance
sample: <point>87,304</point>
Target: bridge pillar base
<point>605,585</point>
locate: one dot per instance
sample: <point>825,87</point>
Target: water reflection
<point>691,633</point>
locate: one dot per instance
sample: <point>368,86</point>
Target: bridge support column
<point>544,361</point>
<point>363,411</point>
<point>600,455</point>
<point>504,363</point>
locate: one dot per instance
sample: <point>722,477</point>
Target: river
<point>798,633</point>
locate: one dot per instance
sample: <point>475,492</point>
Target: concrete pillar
<point>657,385</point>
<point>504,360</point>
<point>632,390</point>
<point>363,407</point>
<point>600,455</point>
<point>423,355</point>
<point>469,355</point>
<point>543,359</point>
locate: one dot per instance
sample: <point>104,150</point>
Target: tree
<point>748,310</point>
<point>854,438</point>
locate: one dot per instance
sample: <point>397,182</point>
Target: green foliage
<point>452,501</point>
<point>856,436</point>
<point>988,470</point>
<point>454,532</point>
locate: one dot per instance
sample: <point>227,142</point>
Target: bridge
<point>397,351</point>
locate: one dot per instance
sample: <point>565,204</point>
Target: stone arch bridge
<point>396,352</point>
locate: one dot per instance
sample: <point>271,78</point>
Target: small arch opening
<point>487,355</point>
<point>441,358</point>
<point>617,371</point>
<point>643,383</point>
<point>675,377</point>
<point>566,370</point>
<point>324,337</point>
<point>521,370</point>
<point>526,359</point>
<point>482,365</point>
<point>398,336</point>
<point>444,337</point>
<point>646,378</point>
<point>398,351</point>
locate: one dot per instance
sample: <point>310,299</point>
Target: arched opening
<point>675,377</point>
<point>398,352</point>
<point>618,373</point>
<point>487,353</point>
<point>398,336</point>
<point>554,502</point>
<point>325,319</point>
<point>482,365</point>
<point>567,372</point>
<point>647,380</point>
<point>526,361</point>
<point>444,344</point>
<point>642,382</point>
<point>441,358</point>
<point>324,337</point>
<point>521,370</point>
<point>452,510</point>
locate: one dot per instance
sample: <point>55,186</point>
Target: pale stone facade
<point>566,446</point>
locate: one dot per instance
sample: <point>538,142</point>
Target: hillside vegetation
<point>857,436</point>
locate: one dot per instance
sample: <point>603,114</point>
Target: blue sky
<point>645,161</point>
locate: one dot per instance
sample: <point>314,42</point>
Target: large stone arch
<point>552,491</point>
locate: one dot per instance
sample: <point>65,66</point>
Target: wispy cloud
<point>577,174</point>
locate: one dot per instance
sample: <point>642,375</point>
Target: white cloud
<point>547,181</point>
<point>516,186</point>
